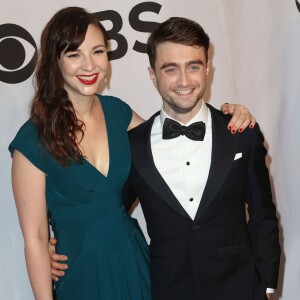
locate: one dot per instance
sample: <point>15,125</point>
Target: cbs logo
<point>18,50</point>
<point>13,39</point>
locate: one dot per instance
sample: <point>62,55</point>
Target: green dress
<point>107,253</point>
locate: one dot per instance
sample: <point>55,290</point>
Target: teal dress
<point>107,253</point>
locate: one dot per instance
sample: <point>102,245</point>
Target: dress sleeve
<point>26,141</point>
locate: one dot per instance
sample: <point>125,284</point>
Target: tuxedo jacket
<point>218,255</point>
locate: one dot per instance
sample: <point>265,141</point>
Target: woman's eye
<point>100,51</point>
<point>72,55</point>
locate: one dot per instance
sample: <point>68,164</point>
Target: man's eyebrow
<point>195,62</point>
<point>173,64</point>
<point>166,65</point>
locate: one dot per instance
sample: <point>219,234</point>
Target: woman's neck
<point>84,107</point>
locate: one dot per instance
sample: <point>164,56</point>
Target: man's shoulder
<point>143,128</point>
<point>221,121</point>
<point>218,113</point>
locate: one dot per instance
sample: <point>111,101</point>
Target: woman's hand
<point>241,117</point>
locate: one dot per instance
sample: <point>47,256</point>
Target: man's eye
<point>194,68</point>
<point>170,70</point>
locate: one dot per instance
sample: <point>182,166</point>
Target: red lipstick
<point>88,79</point>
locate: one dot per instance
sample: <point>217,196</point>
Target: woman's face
<point>83,69</point>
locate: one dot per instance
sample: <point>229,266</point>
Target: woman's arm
<point>135,120</point>
<point>241,118</point>
<point>28,184</point>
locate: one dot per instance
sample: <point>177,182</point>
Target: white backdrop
<point>255,56</point>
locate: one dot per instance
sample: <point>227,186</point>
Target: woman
<point>71,159</point>
<point>70,162</point>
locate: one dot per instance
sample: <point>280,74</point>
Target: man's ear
<point>208,67</point>
<point>152,76</point>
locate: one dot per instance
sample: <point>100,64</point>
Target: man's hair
<point>177,30</point>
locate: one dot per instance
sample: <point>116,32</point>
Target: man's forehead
<point>169,44</point>
<point>174,52</point>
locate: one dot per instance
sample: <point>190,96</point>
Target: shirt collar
<point>202,115</point>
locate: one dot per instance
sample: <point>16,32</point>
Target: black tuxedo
<point>217,256</point>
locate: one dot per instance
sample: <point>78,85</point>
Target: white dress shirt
<point>183,163</point>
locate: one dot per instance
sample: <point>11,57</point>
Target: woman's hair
<point>51,109</point>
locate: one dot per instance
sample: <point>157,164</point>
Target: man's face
<point>180,77</point>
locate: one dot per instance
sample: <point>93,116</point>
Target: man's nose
<point>183,78</point>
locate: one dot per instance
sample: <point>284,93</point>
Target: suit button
<point>195,227</point>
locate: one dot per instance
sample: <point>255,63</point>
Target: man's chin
<point>182,110</point>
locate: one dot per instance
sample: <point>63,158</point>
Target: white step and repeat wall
<point>255,61</point>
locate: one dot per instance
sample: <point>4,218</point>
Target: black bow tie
<point>173,129</point>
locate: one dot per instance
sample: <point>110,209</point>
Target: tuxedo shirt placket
<point>184,164</point>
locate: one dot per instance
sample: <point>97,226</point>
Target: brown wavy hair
<point>51,109</point>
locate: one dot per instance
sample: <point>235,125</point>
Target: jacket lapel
<point>143,160</point>
<point>223,151</point>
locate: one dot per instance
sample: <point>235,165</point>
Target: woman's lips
<point>88,79</point>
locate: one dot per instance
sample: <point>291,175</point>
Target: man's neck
<point>183,118</point>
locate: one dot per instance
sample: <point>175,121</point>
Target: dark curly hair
<point>51,109</point>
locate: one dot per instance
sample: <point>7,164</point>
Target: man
<point>193,180</point>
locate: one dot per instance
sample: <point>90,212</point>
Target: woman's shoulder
<point>112,101</point>
<point>27,131</point>
<point>27,142</point>
<point>26,138</point>
<point>28,126</point>
<point>116,107</point>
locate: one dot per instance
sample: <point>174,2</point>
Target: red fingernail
<point>251,126</point>
<point>240,129</point>
<point>229,127</point>
<point>233,131</point>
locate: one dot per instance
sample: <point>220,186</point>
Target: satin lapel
<point>143,160</point>
<point>223,152</point>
